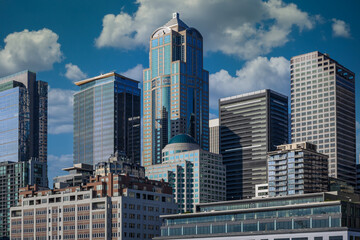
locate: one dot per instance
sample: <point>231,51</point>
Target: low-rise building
<point>78,175</point>
<point>119,163</point>
<point>108,207</point>
<point>314,216</point>
<point>196,175</point>
<point>297,168</point>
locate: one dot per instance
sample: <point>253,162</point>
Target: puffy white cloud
<point>246,28</point>
<point>135,73</point>
<point>74,73</point>
<point>60,111</point>
<point>340,28</point>
<point>34,50</point>
<point>260,73</point>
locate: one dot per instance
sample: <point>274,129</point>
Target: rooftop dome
<point>182,138</point>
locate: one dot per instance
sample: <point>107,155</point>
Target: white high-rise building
<point>323,110</point>
<point>214,136</point>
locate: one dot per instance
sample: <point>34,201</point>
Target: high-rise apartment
<point>175,89</point>
<point>214,136</point>
<point>297,168</point>
<point>23,139</point>
<point>323,110</point>
<point>251,125</point>
<point>106,118</point>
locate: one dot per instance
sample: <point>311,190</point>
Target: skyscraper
<point>175,89</point>
<point>23,117</point>
<point>106,118</point>
<point>251,125</point>
<point>23,139</point>
<point>214,137</point>
<point>323,110</point>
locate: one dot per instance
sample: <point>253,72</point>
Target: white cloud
<point>246,28</point>
<point>260,73</point>
<point>33,50</point>
<point>60,111</point>
<point>340,28</point>
<point>74,73</point>
<point>135,73</point>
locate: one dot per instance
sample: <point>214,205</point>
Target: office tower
<point>252,124</point>
<point>297,168</point>
<point>196,176</point>
<point>323,110</point>
<point>23,128</point>
<point>105,113</point>
<point>313,216</point>
<point>214,137</point>
<point>175,89</point>
<point>23,136</point>
<point>108,207</point>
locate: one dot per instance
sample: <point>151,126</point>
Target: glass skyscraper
<point>323,110</point>
<point>175,89</point>
<point>251,125</point>
<point>23,139</point>
<point>106,118</point>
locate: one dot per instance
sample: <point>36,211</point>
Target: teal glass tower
<point>106,118</point>
<point>175,89</point>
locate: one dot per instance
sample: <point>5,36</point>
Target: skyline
<point>275,33</point>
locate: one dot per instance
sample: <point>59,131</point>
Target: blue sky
<point>248,45</point>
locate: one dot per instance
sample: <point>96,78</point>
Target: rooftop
<point>102,76</point>
<point>182,138</point>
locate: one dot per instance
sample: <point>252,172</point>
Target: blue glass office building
<point>175,89</point>
<point>23,139</point>
<point>106,118</point>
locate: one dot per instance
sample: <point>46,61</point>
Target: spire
<point>176,21</point>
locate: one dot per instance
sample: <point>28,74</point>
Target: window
<point>335,238</point>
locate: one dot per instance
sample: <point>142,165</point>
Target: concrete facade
<point>323,110</point>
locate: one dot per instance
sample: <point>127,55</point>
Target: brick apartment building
<point>108,207</point>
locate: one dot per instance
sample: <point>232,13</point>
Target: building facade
<point>105,113</point>
<point>79,174</point>
<point>297,168</point>
<point>196,176</point>
<point>175,89</point>
<point>13,176</point>
<point>23,136</point>
<point>109,207</point>
<point>251,125</point>
<point>320,216</point>
<point>214,136</point>
<point>119,164</point>
<point>323,110</point>
<point>358,177</point>
<point>23,128</point>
